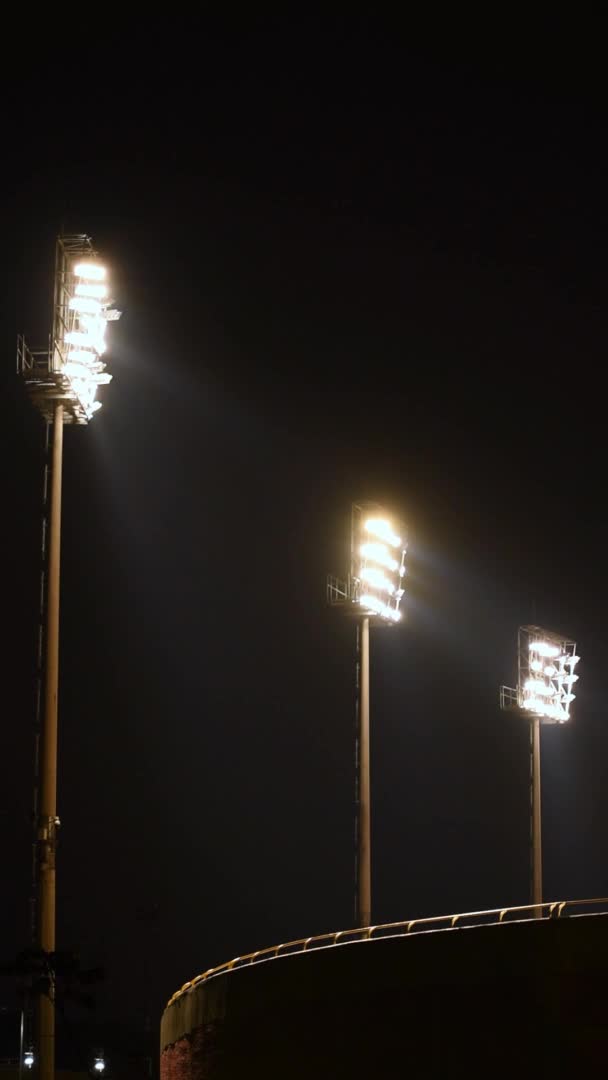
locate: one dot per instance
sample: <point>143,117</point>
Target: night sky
<point>350,266</point>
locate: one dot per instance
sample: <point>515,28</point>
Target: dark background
<point>353,263</point>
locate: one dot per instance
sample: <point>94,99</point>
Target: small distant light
<point>99,1065</point>
<point>28,1059</point>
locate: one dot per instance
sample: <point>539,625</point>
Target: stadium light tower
<point>546,675</point>
<point>62,382</point>
<point>371,592</point>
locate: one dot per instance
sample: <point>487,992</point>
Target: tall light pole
<point>371,592</point>
<point>543,695</point>
<point>62,381</point>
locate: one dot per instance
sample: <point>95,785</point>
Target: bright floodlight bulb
<point>544,648</point>
<point>538,687</point>
<point>536,665</point>
<point>533,704</point>
<point>84,340</point>
<point>28,1059</point>
<point>75,370</point>
<point>380,554</point>
<point>375,577</point>
<point>90,271</point>
<point>86,304</point>
<point>81,356</point>
<point>92,289</point>
<point>550,669</point>
<point>381,528</point>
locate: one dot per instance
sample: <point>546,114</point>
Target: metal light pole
<point>62,381</point>
<point>47,833</point>
<point>372,591</point>
<point>536,840</point>
<point>543,695</point>
<point>364,875</point>
<point>21,1040</point>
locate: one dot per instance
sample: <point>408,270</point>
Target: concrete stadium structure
<point>492,994</point>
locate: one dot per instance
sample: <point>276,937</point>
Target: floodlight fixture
<point>82,309</point>
<point>545,663</point>
<point>28,1059</point>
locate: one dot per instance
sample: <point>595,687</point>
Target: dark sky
<point>351,266</point>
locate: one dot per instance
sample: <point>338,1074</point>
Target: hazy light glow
<point>28,1059</point>
<point>382,529</point>
<point>536,665</point>
<point>99,1065</point>
<point>90,271</point>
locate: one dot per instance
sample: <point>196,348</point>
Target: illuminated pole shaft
<point>21,1041</point>
<point>535,824</point>
<point>364,883</point>
<point>48,771</point>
